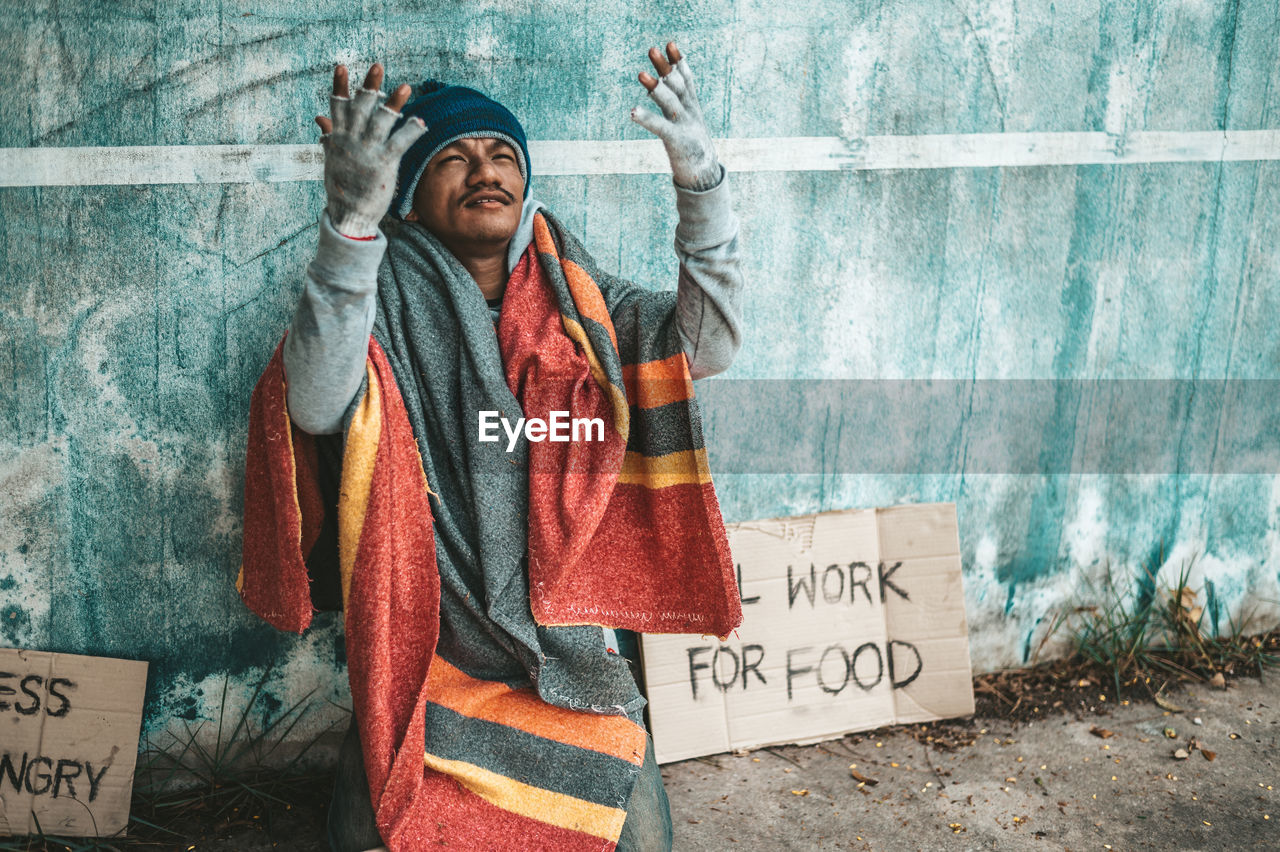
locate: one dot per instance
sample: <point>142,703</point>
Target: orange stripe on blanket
<point>587,298</point>
<point>542,238</point>
<point>684,468</point>
<point>590,303</point>
<point>358,460</point>
<point>654,384</point>
<point>534,802</point>
<point>523,710</point>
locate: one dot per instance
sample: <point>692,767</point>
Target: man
<point>478,568</point>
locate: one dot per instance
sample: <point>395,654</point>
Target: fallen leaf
<point>1102,733</point>
<point>1171,733</point>
<point>1167,704</point>
<point>1208,755</point>
<point>799,792</point>
<point>862,779</point>
<point>956,827</point>
<point>1218,680</point>
<point>1180,754</point>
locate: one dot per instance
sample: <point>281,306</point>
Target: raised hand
<point>360,162</point>
<point>680,127</point>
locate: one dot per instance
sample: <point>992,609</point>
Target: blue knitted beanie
<point>452,113</point>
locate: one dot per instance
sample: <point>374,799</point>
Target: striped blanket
<point>644,497</point>
<point>442,643</point>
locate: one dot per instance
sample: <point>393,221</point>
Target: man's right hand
<point>360,162</point>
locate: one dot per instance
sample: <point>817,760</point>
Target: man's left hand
<point>680,127</point>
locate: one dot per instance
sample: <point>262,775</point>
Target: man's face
<point>471,195</point>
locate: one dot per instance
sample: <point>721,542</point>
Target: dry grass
<point>185,790</point>
<point>1129,644</point>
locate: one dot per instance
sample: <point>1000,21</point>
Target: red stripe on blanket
<point>277,524</point>
<point>393,616</point>
<point>639,554</point>
<point>547,372</point>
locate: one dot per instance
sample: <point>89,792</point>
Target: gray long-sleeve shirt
<point>324,355</point>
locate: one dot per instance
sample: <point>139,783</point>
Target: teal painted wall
<point>135,319</point>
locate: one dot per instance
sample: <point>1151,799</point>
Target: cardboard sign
<point>68,742</point>
<point>852,620</point>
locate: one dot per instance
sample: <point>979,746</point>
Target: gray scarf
<point>436,330</point>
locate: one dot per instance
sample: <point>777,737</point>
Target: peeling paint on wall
<point>135,319</point>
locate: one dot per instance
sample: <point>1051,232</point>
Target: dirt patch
<point>1084,688</point>
<point>1078,688</point>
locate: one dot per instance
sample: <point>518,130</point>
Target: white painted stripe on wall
<point>159,164</point>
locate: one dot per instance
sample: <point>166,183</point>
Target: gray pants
<point>352,827</point>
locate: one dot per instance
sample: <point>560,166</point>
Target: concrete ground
<point>1040,785</point>
<point>982,784</point>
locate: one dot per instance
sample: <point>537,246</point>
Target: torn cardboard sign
<point>852,620</point>
<point>68,742</point>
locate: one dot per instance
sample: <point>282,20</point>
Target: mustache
<point>466,199</point>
